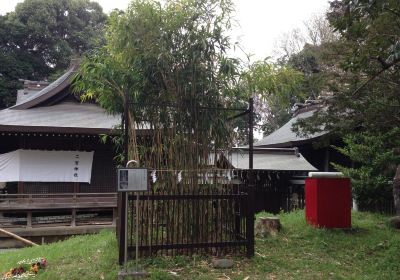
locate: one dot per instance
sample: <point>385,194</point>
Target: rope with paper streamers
<point>226,173</point>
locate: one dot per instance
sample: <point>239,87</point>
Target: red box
<point>328,202</point>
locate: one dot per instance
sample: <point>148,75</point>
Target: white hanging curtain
<point>46,166</point>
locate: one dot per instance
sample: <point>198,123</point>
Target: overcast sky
<point>260,22</point>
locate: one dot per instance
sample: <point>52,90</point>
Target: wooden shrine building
<point>316,148</point>
<point>45,184</point>
<point>279,176</point>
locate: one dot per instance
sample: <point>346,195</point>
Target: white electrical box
<point>132,179</point>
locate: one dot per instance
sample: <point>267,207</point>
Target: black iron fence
<point>214,217</point>
<point>277,191</point>
<point>383,207</point>
<point>202,217</point>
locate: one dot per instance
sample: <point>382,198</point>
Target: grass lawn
<point>371,250</point>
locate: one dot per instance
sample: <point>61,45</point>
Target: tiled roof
<point>52,89</point>
<point>35,115</point>
<point>271,159</point>
<point>285,136</point>
<point>63,117</point>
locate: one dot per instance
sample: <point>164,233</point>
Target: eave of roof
<point>271,159</point>
<point>51,90</point>
<point>66,117</point>
<point>52,129</point>
<point>286,137</point>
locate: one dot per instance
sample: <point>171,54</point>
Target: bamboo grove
<point>170,60</point>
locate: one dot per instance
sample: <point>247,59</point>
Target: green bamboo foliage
<point>171,59</point>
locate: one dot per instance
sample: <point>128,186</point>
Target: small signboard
<point>132,179</point>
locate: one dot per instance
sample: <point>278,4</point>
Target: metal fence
<point>383,207</point>
<point>215,218</point>
<point>277,191</point>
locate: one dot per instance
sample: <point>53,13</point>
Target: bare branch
<point>374,77</point>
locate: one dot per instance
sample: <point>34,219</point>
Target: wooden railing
<point>41,210</point>
<point>17,202</point>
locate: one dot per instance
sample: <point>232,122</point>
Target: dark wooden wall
<point>103,169</point>
<point>322,157</point>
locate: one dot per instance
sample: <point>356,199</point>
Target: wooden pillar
<point>115,217</point>
<point>76,187</point>
<point>29,219</point>
<point>326,159</point>
<point>20,187</point>
<point>73,218</point>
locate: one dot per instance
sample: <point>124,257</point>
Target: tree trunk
<point>268,226</point>
<point>396,191</point>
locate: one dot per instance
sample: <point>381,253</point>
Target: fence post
<point>250,188</point>
<point>122,197</point>
<point>237,204</point>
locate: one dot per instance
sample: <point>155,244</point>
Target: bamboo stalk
<point>26,241</point>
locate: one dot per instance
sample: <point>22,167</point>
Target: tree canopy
<point>366,67</point>
<point>276,88</point>
<point>40,37</point>
<point>363,103</point>
<point>303,54</point>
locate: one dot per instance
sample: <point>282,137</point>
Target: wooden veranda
<point>47,217</point>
